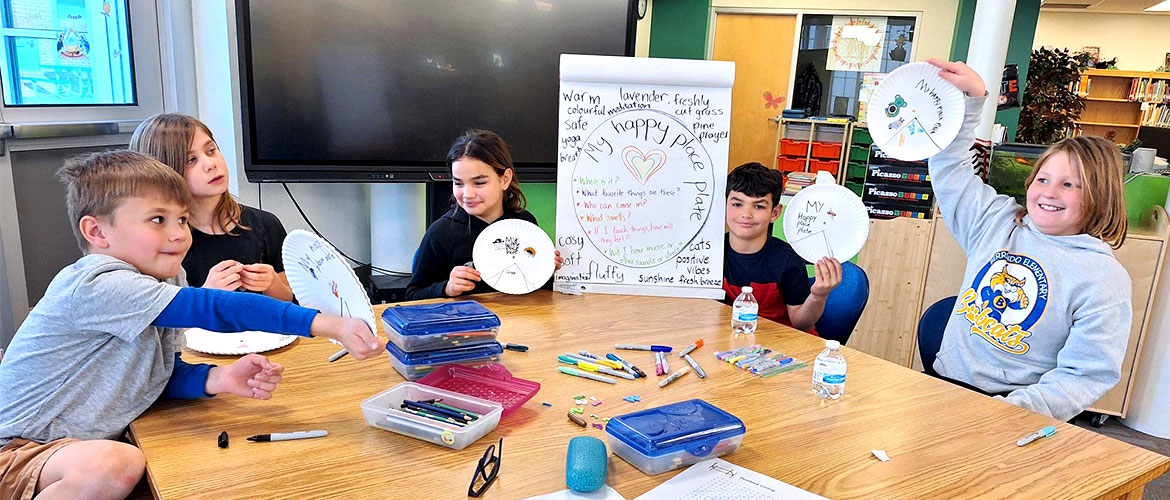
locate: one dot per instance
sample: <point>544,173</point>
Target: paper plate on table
<point>914,113</point>
<point>236,343</point>
<point>321,279</point>
<point>514,256</point>
<point>826,220</point>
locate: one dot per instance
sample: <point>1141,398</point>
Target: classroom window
<point>825,92</point>
<point>66,53</point>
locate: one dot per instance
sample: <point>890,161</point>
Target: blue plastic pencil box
<point>675,435</point>
<point>416,365</point>
<point>426,327</point>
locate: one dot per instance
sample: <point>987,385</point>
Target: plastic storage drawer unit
<point>672,436</point>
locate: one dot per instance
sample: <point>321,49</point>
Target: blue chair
<point>930,330</point>
<point>844,305</point>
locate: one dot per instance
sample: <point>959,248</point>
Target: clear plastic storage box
<point>379,411</point>
<point>415,365</point>
<point>426,327</point>
<point>672,436</point>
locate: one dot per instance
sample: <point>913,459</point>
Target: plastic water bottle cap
<point>833,345</point>
<point>747,289</point>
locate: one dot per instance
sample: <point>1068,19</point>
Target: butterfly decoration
<point>772,101</point>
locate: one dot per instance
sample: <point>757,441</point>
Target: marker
<point>665,363</point>
<point>285,436</point>
<point>515,347</point>
<point>628,366</point>
<point>337,355</point>
<point>578,373</point>
<point>696,345</point>
<point>658,364</point>
<point>1042,433</point>
<point>600,360</point>
<point>698,369</point>
<point>430,408</point>
<point>604,369</point>
<point>635,347</point>
<point>674,376</point>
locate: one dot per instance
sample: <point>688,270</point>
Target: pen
<point>591,376</point>
<point>634,347</point>
<point>629,367</point>
<point>1042,433</point>
<point>285,436</point>
<point>674,376</point>
<point>694,364</point>
<point>337,355</point>
<point>696,345</point>
<point>435,409</point>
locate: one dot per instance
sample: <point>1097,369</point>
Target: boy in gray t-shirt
<point>104,342</point>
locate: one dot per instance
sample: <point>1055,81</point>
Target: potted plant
<point>1050,104</point>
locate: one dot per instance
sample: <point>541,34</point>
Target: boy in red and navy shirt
<point>752,257</point>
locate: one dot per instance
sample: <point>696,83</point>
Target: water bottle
<point>745,312</point>
<point>829,372</point>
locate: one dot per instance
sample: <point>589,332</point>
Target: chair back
<point>845,304</point>
<point>930,330</point>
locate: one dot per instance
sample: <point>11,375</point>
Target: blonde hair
<point>168,137</point>
<point>1103,198</point>
<point>97,183</point>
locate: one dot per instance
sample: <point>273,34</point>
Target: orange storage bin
<point>830,166</point>
<point>793,147</point>
<point>828,150</point>
<point>789,164</point>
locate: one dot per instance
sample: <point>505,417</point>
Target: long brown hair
<point>486,146</point>
<point>1103,197</point>
<point>168,137</point>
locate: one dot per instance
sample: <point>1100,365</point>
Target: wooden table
<point>944,442</point>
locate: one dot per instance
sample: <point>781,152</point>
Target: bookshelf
<point>1118,103</point>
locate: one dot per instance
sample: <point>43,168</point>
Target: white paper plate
<point>826,220</point>
<point>514,256</point>
<point>321,279</point>
<point>914,114</point>
<point>247,342</point>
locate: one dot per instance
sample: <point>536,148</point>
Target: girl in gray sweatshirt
<point>1044,311</point>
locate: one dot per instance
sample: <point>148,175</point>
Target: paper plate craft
<point>321,280</point>
<point>237,343</point>
<point>826,220</point>
<point>914,113</point>
<point>514,256</point>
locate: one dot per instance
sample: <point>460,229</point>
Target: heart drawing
<point>643,165</point>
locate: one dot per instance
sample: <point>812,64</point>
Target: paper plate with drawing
<point>236,343</point>
<point>514,256</point>
<point>321,279</point>
<point>641,173</point>
<point>914,113</point>
<point>826,220</point>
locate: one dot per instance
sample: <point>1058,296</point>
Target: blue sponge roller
<point>586,464</point>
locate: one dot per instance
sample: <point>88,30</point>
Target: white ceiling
<point>1102,6</point>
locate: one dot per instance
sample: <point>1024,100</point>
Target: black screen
<point>377,90</point>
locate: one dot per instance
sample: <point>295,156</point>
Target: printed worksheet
<point>718,479</point>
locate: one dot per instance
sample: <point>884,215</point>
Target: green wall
<point>1019,49</point>
<point>542,202</point>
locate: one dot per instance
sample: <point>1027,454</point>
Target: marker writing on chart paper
<point>634,347</point>
<point>696,345</point>
<point>285,436</point>
<point>1042,433</point>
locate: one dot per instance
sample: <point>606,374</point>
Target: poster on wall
<point>641,174</point>
<point>869,81</point>
<point>856,43</point>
